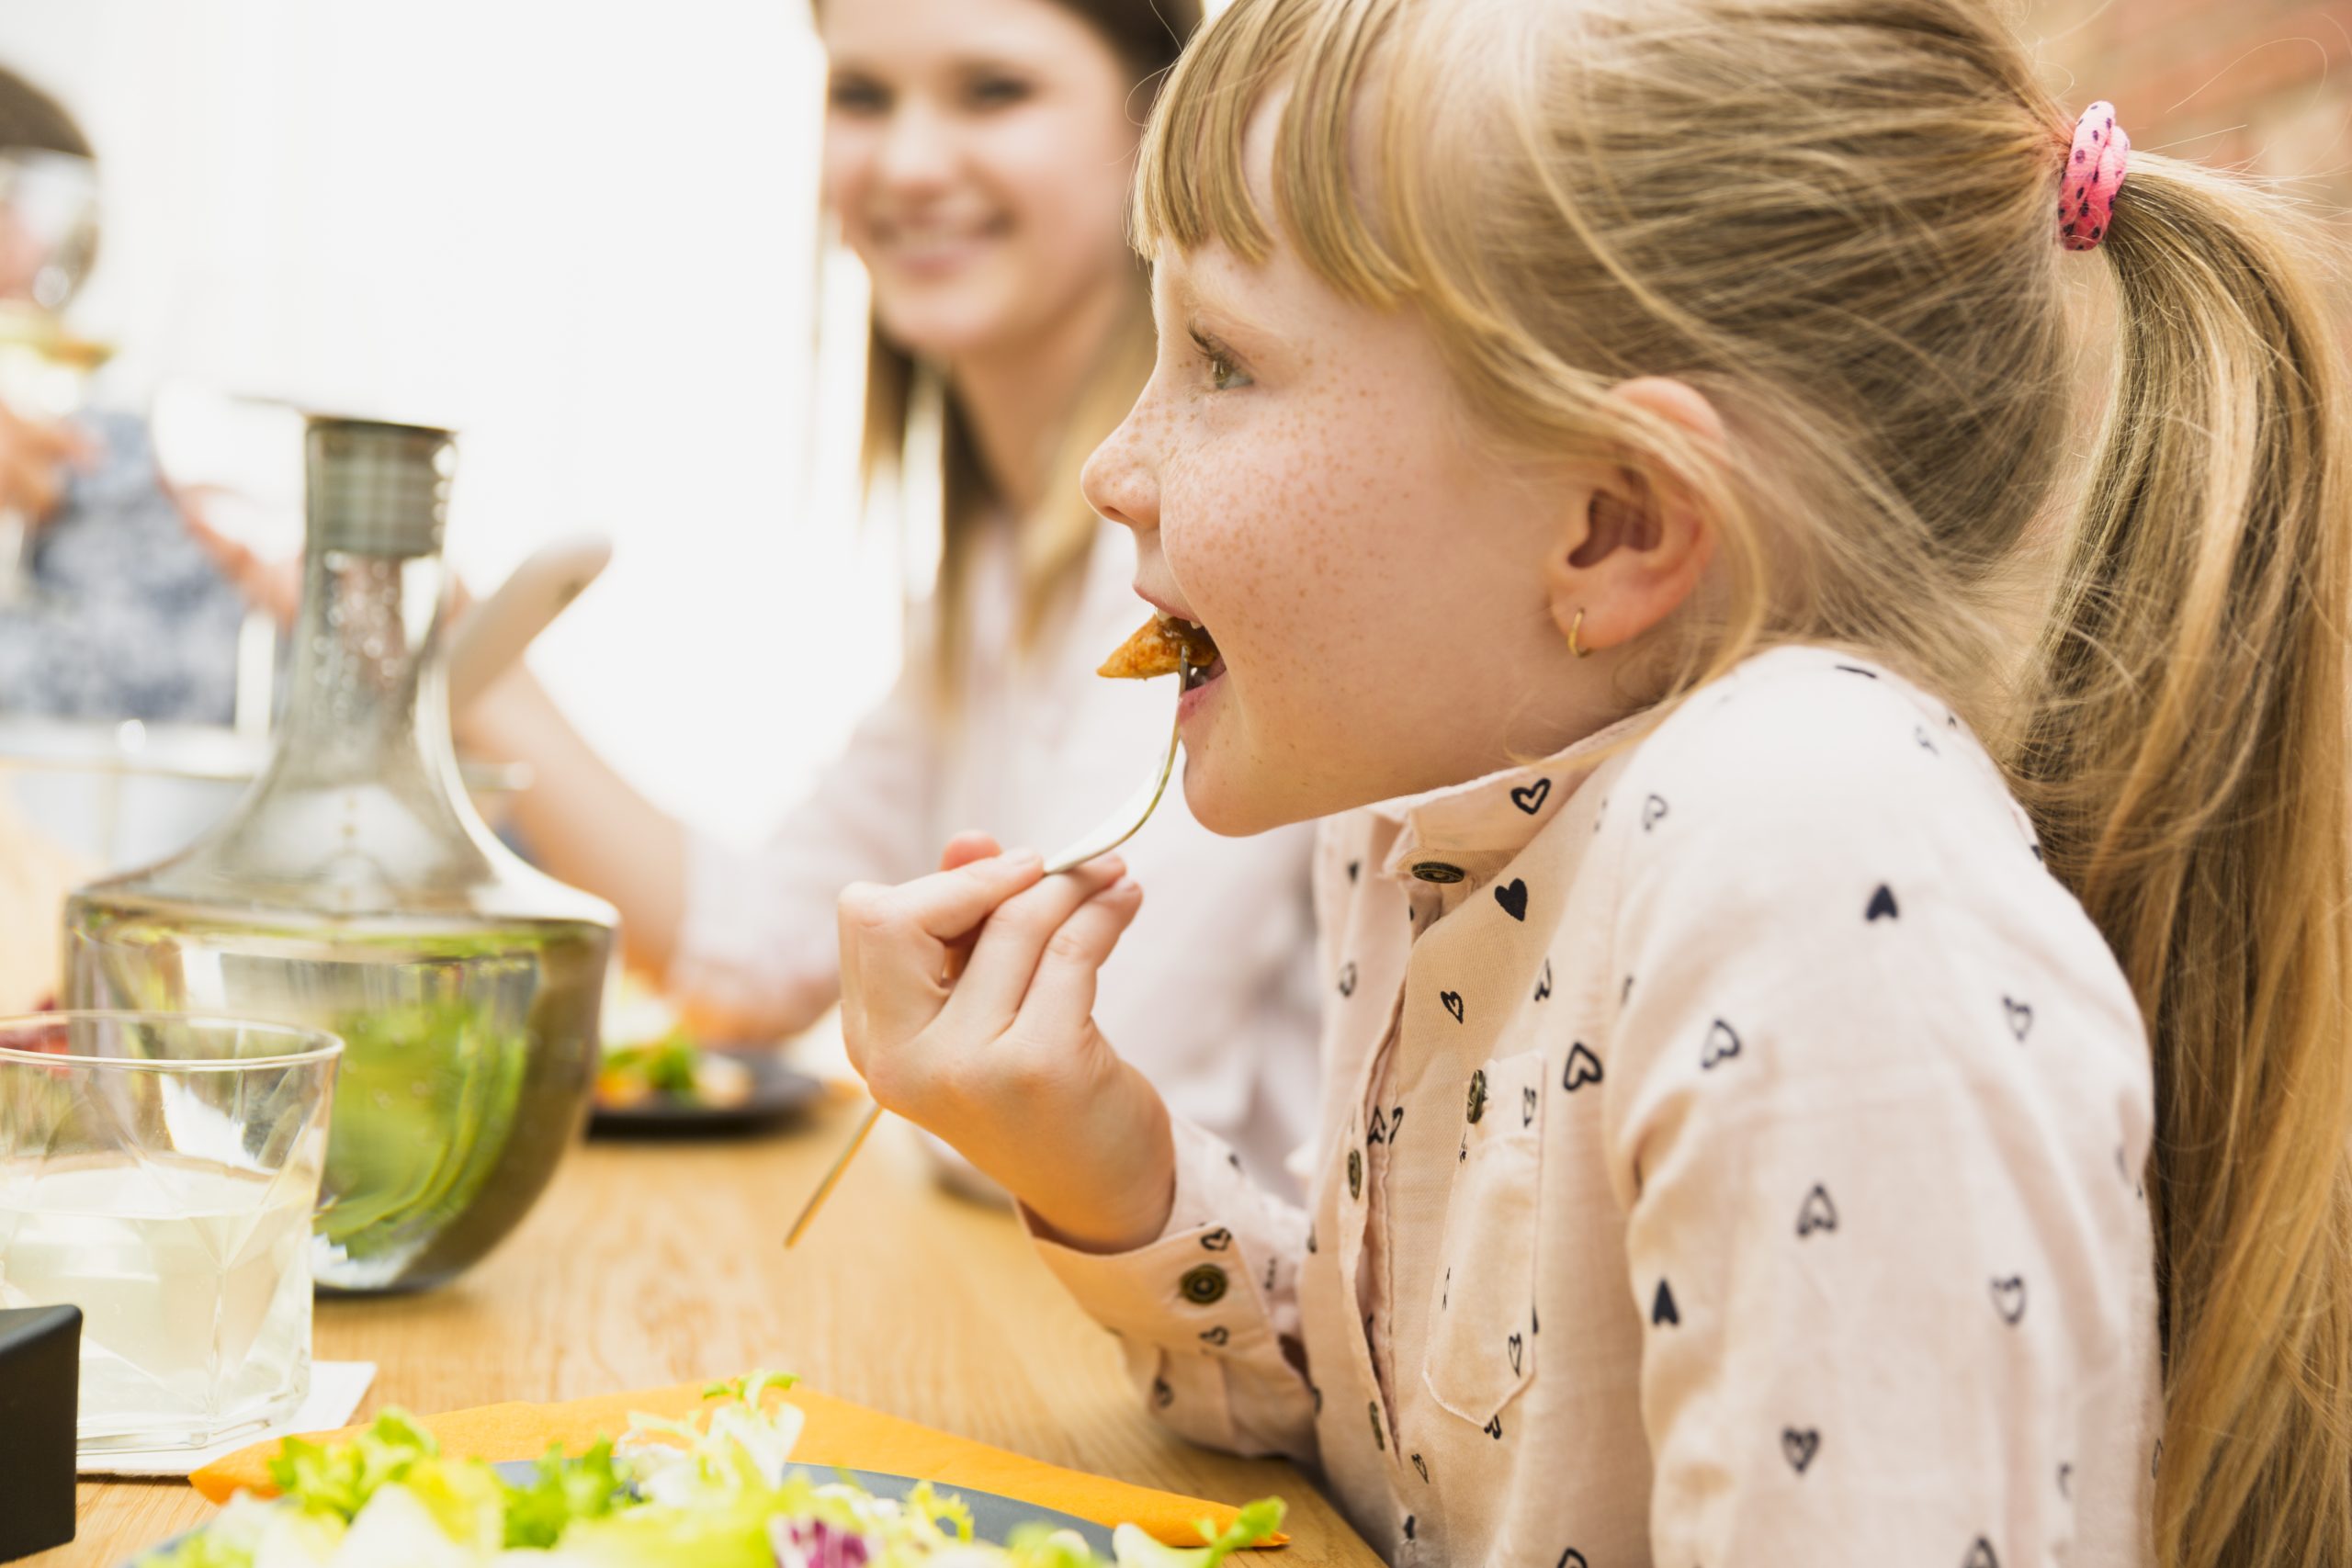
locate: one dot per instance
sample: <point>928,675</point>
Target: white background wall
<point>585,232</point>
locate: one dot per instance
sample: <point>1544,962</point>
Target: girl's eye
<point>1225,372</point>
<point>996,92</point>
<point>853,95</point>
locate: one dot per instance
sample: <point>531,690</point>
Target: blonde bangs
<point>1192,188</point>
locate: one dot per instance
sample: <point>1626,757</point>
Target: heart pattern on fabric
<point>2065,1478</point>
<point>1513,899</point>
<point>1379,1133</point>
<point>1653,812</point>
<point>1218,1239</point>
<point>2008,1299</point>
<point>1517,1348</point>
<point>1882,905</point>
<point>1584,1068</point>
<point>2020,1017</point>
<point>1544,983</point>
<point>1355,869</point>
<point>1408,1527</point>
<point>1926,743</point>
<point>1572,1558</point>
<point>1663,1312</point>
<point>1529,798</point>
<point>1799,1448</point>
<point>1818,1212</point>
<point>1980,1555</point>
<point>1161,1394</point>
<point>1216,1335</point>
<point>1422,1465</point>
<point>1723,1044</point>
<point>1494,1428</point>
<point>1347,979</point>
<point>1527,1106</point>
<point>1452,1000</point>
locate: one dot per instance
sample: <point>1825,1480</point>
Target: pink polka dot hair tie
<point>2094,174</point>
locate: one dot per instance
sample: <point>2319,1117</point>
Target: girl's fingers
<point>962,850</point>
<point>966,847</point>
<point>895,941</point>
<point>990,993</point>
<point>1061,994</point>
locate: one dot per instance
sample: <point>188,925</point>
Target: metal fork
<point>1099,841</point>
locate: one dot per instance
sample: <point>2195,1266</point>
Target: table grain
<point>661,1262</point>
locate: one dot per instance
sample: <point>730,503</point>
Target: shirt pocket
<point>1481,1345</point>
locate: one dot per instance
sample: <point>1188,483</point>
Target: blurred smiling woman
<point>977,154</point>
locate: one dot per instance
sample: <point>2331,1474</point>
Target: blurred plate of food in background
<point>658,1081</point>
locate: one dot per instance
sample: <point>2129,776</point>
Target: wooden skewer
<point>833,1176</point>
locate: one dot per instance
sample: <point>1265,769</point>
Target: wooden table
<point>658,1263</point>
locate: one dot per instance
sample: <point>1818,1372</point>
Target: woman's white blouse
<point>1731,1154</point>
<point>1211,992</point>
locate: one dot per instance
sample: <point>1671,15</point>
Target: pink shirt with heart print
<point>1730,1154</point>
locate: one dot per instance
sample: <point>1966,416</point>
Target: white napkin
<point>336,1389</point>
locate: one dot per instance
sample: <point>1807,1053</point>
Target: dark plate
<point>777,1091</point>
<point>994,1518</point>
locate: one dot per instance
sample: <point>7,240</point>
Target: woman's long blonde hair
<point>1838,219</point>
<point>1053,543</point>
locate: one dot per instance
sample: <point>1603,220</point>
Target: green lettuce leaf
<point>563,1491</point>
<point>1252,1523</point>
<point>338,1479</point>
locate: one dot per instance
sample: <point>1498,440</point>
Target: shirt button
<point>1477,1094</point>
<point>1379,1438</point>
<point>1203,1285</point>
<point>1356,1173</point>
<point>1437,871</point>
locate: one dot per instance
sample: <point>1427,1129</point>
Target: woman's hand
<point>274,587</point>
<point>967,1001</point>
<point>34,455</point>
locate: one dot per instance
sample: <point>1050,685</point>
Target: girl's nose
<point>1119,480</point>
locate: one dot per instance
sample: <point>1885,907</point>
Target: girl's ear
<point>1633,545</point>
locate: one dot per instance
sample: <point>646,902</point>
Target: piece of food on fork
<point>1162,645</point>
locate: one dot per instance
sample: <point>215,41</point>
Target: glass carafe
<point>355,889</point>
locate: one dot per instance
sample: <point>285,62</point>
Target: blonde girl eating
<point>1816,577</point>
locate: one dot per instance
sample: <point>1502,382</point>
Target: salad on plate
<point>673,1067</point>
<point>715,1490</point>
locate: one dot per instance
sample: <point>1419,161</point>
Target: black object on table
<point>41,1364</point>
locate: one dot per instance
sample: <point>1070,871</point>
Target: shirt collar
<point>1467,832</point>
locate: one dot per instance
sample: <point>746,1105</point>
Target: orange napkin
<point>836,1434</point>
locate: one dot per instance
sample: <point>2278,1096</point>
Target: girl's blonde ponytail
<point>2185,760</point>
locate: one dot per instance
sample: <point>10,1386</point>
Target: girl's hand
<point>967,1001</point>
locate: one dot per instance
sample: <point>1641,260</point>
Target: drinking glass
<point>158,1171</point>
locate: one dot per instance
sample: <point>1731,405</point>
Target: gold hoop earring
<point>1574,632</point>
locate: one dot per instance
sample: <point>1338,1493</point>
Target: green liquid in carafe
<point>469,1053</point>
